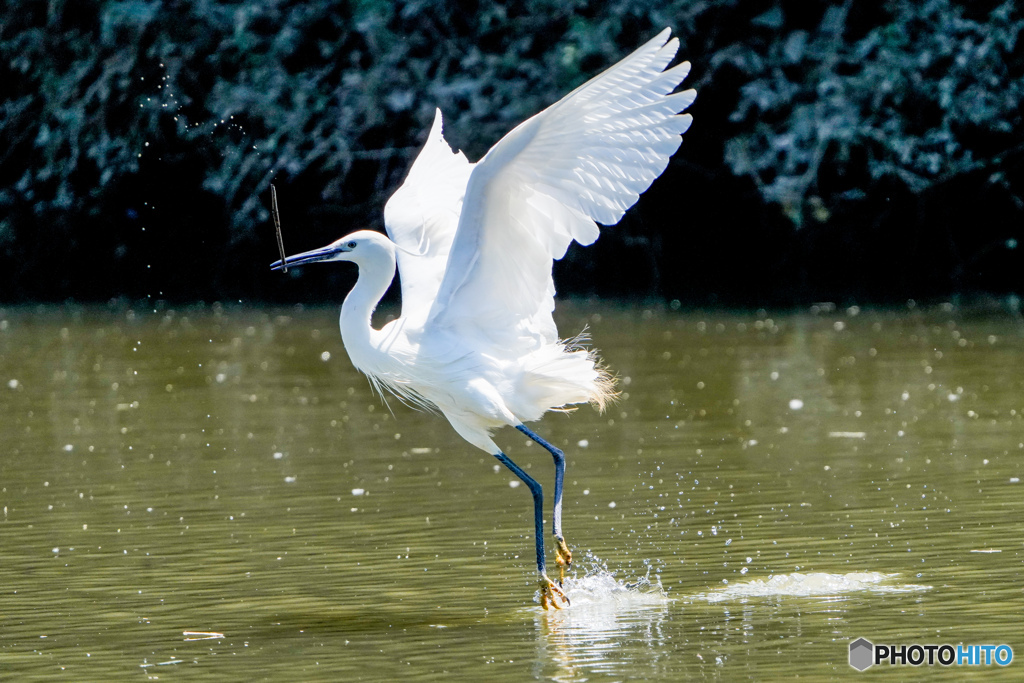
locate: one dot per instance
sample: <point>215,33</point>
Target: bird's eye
<point>351,245</point>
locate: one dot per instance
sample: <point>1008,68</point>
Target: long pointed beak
<point>321,254</point>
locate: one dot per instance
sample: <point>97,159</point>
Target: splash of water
<point>593,586</point>
<point>815,584</point>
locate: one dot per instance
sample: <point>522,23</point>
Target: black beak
<point>321,254</point>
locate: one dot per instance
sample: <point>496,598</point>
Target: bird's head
<point>363,247</point>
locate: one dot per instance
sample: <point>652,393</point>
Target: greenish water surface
<point>213,493</point>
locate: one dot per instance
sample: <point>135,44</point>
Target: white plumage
<point>474,245</point>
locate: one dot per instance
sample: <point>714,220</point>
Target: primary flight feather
<point>474,245</point>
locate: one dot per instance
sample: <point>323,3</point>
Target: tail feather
<point>605,392</point>
<point>562,375</point>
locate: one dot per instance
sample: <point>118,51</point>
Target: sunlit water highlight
<point>214,490</point>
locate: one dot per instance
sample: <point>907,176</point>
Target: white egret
<point>474,245</point>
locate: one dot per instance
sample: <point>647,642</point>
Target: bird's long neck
<point>356,329</point>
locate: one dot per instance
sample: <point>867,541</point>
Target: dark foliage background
<point>843,151</point>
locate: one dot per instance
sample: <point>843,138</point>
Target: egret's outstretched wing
<point>584,160</point>
<point>422,215</point>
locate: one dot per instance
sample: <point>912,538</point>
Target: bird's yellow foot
<point>551,596</point>
<point>564,558</point>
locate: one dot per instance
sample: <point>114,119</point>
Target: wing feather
<point>582,161</point>
<point>421,217</point>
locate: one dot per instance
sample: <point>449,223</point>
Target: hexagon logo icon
<point>861,654</point>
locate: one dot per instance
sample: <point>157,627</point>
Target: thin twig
<point>277,226</point>
<point>202,635</point>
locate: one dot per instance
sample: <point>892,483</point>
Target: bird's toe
<point>551,595</point>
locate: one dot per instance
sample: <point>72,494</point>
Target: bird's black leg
<point>538,504</point>
<point>564,558</point>
<point>548,589</point>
